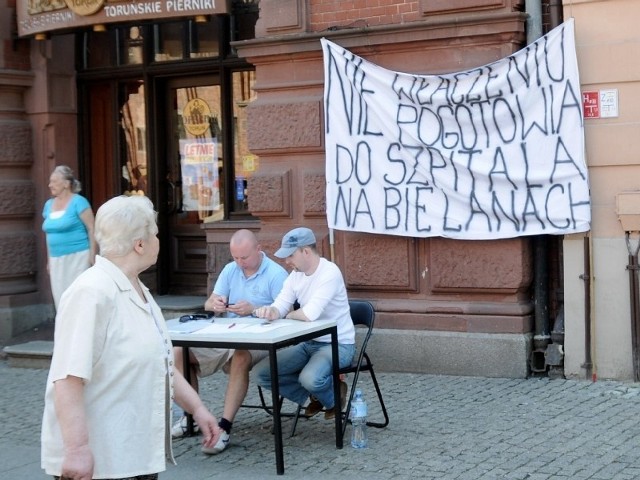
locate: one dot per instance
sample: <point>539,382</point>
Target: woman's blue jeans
<point>304,369</point>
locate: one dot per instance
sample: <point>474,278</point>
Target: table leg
<point>336,386</point>
<point>186,368</point>
<point>277,423</point>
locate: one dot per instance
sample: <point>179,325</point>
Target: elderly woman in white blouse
<point>112,377</point>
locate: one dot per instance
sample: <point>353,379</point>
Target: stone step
<point>37,354</point>
<point>175,305</point>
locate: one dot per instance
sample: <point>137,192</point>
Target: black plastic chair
<point>363,316</point>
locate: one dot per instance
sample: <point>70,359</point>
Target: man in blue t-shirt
<point>250,281</point>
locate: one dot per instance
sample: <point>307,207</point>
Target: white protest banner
<point>492,152</point>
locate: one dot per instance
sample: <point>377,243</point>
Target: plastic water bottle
<point>358,421</point>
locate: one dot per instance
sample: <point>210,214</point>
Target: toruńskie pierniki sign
<point>40,16</point>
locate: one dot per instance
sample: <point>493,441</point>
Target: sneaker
<point>221,444</point>
<point>331,413</point>
<point>179,429</point>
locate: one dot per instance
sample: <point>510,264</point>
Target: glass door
<point>194,190</point>
<point>196,164</point>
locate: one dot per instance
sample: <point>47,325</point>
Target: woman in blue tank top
<point>68,224</point>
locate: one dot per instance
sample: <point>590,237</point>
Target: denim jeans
<point>305,369</point>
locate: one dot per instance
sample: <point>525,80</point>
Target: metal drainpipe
<point>633,269</point>
<point>586,277</point>
<point>555,13</point>
<point>541,336</point>
<point>534,20</point>
<point>555,17</point>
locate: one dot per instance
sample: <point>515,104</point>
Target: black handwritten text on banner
<point>492,152</point>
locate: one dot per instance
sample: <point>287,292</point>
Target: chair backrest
<point>362,313</point>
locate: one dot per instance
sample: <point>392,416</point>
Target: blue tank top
<point>66,233</point>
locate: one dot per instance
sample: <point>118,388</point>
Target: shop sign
<point>40,16</point>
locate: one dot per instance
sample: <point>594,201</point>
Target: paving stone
<point>445,428</point>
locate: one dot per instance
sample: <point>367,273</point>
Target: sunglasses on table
<point>196,316</point>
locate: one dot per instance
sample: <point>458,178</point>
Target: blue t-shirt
<point>66,233</point>
<point>259,289</point>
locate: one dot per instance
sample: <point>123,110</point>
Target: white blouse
<point>106,335</point>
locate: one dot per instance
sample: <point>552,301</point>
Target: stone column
<point>18,245</point>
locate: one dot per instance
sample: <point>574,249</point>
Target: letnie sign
<point>39,16</point>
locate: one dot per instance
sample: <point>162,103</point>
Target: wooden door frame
<point>99,140</point>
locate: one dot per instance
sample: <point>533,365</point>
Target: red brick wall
<point>337,14</point>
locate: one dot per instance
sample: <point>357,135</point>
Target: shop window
<point>150,159</point>
<point>168,41</point>
<point>243,21</point>
<point>133,159</point>
<point>211,180</point>
<point>97,50</point>
<point>245,163</point>
<point>131,42</point>
<point>115,46</point>
<point>204,38</point>
<point>172,41</point>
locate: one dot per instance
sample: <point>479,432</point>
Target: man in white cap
<point>305,369</point>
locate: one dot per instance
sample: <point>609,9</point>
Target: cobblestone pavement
<point>441,428</point>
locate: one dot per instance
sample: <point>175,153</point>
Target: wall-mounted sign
<point>249,163</point>
<point>591,104</point>
<point>600,103</point>
<point>38,16</point>
<point>609,103</point>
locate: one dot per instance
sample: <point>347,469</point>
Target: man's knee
<point>178,355</point>
<point>261,374</point>
<point>241,360</point>
<point>313,381</point>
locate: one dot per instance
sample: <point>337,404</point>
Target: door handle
<point>171,197</point>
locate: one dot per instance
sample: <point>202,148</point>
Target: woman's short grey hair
<point>66,173</point>
<point>123,220</point>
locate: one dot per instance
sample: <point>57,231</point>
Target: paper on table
<point>263,327</point>
<point>188,327</point>
<point>219,328</point>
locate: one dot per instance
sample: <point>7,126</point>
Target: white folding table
<point>248,333</point>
